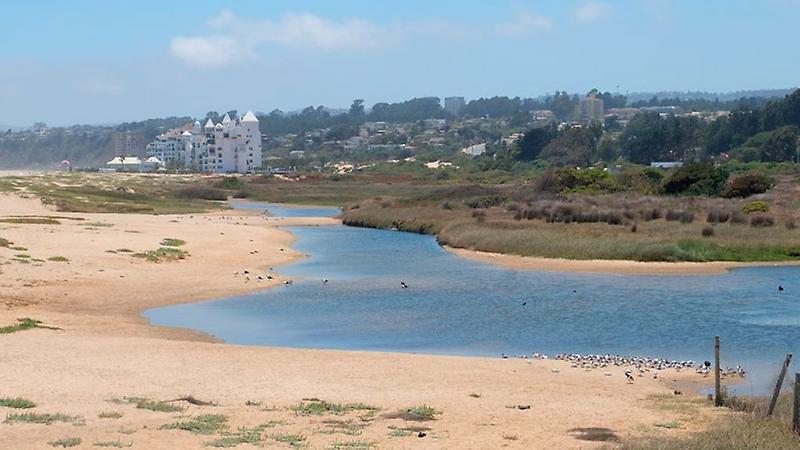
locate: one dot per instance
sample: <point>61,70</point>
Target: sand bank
<point>607,266</point>
<point>104,350</point>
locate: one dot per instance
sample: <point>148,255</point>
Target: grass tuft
<point>420,413</point>
<point>17,403</point>
<point>162,254</point>
<point>66,442</point>
<point>294,440</point>
<point>45,419</point>
<point>205,424</point>
<point>172,242</point>
<point>150,405</point>
<point>58,259</point>
<point>114,444</point>
<point>110,415</point>
<point>25,324</point>
<point>320,407</point>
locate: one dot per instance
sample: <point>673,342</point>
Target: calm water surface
<point>462,307</point>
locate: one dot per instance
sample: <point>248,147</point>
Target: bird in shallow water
<point>403,285</point>
<point>780,288</point>
<point>325,280</point>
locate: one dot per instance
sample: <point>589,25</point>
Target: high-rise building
<point>227,147</point>
<point>123,144</point>
<point>590,109</point>
<point>453,105</point>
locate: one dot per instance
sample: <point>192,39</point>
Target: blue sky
<point>78,61</point>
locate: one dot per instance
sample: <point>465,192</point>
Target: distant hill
<point>698,95</point>
<point>82,145</point>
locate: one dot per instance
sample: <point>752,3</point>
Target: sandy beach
<point>104,351</point>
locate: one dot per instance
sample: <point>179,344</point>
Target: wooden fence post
<point>796,408</point>
<point>717,386</point>
<point>779,384</point>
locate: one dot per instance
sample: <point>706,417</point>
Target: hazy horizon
<point>96,62</point>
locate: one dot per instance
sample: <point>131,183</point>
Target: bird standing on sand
<point>629,376</point>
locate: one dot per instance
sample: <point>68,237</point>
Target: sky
<point>101,62</point>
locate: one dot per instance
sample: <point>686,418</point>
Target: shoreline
<point>106,349</point>
<point>611,267</point>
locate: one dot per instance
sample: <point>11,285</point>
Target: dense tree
<point>533,142</point>
<point>574,146</point>
<point>412,110</point>
<point>562,105</point>
<point>649,137</point>
<point>357,109</point>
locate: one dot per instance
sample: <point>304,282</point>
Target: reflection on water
<point>458,306</point>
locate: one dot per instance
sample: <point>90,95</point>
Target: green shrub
<point>696,179</point>
<point>747,184</point>
<point>201,193</point>
<point>231,183</point>
<point>762,221</point>
<point>756,206</point>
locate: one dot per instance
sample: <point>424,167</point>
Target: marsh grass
<point>58,259</point>
<point>110,415</point>
<point>25,324</point>
<point>66,442</point>
<point>205,424</point>
<point>17,403</point>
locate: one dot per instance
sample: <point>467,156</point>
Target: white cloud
<point>525,23</point>
<point>591,11</point>
<point>209,51</point>
<point>237,39</point>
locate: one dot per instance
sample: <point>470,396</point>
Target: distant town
<point>595,128</point>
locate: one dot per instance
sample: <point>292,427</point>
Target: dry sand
<point>619,267</point>
<point>105,350</point>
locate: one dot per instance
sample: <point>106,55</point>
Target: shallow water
<point>463,307</point>
<point>279,210</point>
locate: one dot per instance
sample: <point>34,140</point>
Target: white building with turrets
<point>226,147</point>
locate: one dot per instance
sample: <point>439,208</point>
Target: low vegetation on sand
<point>17,403</point>
<point>25,324</point>
<point>172,242</point>
<point>66,442</point>
<point>316,407</point>
<point>45,419</point>
<point>420,413</point>
<point>30,220</point>
<point>146,403</point>
<point>205,424</point>
<point>747,427</point>
<point>163,254</point>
